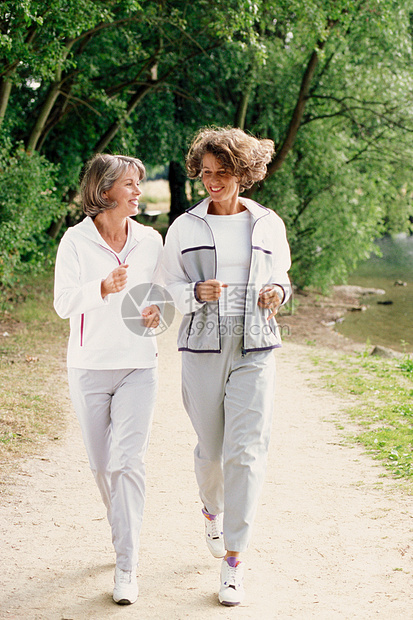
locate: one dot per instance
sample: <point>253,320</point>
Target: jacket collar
<point>88,229</point>
<point>256,210</point>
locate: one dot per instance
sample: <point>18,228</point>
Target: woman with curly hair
<point>225,264</point>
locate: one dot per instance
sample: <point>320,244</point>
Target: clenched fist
<point>115,282</point>
<point>270,297</point>
<point>151,316</point>
<point>210,290</point>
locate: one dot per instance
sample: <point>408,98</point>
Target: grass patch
<point>32,349</point>
<point>384,411</point>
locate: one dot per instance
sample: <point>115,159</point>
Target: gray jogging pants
<point>115,410</point>
<point>230,401</point>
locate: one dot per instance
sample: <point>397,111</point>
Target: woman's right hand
<point>115,282</point>
<point>210,290</point>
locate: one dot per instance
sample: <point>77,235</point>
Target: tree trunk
<point>47,106</point>
<point>44,114</point>
<point>5,90</point>
<point>5,83</point>
<point>241,112</point>
<point>177,185</point>
<point>70,218</point>
<point>298,112</point>
<point>55,227</point>
<point>296,116</point>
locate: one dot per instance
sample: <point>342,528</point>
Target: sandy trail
<point>333,539</point>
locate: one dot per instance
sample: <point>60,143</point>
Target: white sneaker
<point>214,534</point>
<point>125,591</point>
<point>232,589</point>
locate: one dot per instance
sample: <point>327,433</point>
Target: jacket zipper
<point>82,326</point>
<point>243,349</point>
<point>215,274</point>
<point>82,316</point>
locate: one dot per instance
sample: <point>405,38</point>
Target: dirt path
<point>333,539</point>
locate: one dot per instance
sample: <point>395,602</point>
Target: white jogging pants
<point>115,410</point>
<point>230,401</point>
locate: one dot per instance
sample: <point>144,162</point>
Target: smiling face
<point>125,192</point>
<point>221,185</point>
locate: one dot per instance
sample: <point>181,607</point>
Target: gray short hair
<point>100,174</point>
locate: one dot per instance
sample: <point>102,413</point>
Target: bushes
<point>28,205</point>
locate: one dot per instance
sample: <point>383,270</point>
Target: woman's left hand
<point>151,316</point>
<point>269,298</point>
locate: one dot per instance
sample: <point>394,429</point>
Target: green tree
<point>330,81</point>
<point>331,84</point>
<point>74,72</point>
<point>28,205</point>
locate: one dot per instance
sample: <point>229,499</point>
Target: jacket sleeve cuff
<point>282,291</point>
<point>200,301</point>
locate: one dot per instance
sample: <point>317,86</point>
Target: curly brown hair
<point>100,174</point>
<point>242,155</point>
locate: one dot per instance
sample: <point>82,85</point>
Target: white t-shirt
<point>232,235</point>
<point>127,247</point>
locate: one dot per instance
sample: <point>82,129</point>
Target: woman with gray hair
<point>112,370</point>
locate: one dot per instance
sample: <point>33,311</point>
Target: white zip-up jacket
<point>190,257</point>
<point>99,338</point>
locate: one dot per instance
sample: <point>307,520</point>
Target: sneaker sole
<point>215,555</point>
<point>125,601</point>
<point>229,603</point>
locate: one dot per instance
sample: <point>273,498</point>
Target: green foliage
<point>347,178</point>
<point>141,77</point>
<point>333,210</point>
<point>407,366</point>
<point>28,205</point>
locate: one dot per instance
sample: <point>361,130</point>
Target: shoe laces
<point>124,576</point>
<point>215,530</point>
<point>231,580</point>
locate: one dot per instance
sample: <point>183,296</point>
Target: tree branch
<point>299,107</point>
<point>142,91</point>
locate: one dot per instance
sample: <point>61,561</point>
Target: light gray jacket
<point>190,257</point>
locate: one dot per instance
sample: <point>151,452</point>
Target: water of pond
<point>387,325</point>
